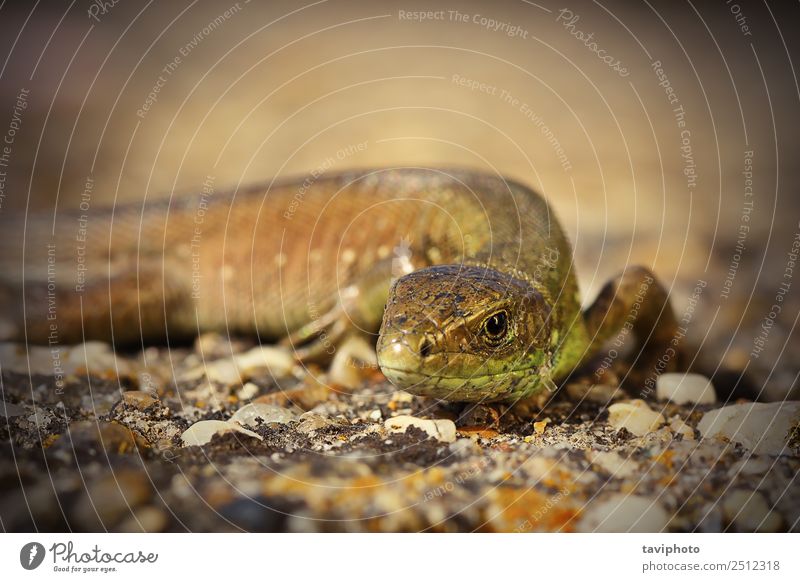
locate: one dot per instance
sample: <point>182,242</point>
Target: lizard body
<point>467,277</point>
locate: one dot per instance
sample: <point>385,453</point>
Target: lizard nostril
<point>425,348</point>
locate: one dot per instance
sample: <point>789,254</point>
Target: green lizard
<point>466,277</point>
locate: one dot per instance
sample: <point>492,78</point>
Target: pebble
<point>685,389</point>
<point>540,426</point>
<point>678,426</point>
<point>247,392</point>
<point>748,511</point>
<point>635,416</point>
<point>763,428</point>
<point>311,421</point>
<point>354,360</point>
<point>624,513</point>
<point>618,466</point>
<point>250,414</point>
<point>138,399</point>
<point>201,433</point>
<point>41,418</point>
<point>306,396</point>
<point>229,371</point>
<point>441,429</point>
<point>278,361</point>
<point>751,466</point>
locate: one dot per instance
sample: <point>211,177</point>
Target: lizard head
<point>460,332</point>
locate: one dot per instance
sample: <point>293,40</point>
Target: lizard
<point>467,278</point>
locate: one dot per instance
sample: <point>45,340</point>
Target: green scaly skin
<point>309,261</point>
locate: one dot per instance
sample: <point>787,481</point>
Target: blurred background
<point>663,133</point>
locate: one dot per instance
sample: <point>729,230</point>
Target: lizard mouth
<point>404,368</point>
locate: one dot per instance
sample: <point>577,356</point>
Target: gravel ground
<point>105,447</point>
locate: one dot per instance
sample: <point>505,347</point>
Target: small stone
<point>40,418</point>
<point>441,429</point>
<point>247,392</point>
<point>540,426</point>
<point>353,362</point>
<point>375,415</point>
<point>635,416</point>
<point>250,414</point>
<point>306,396</point>
<point>311,421</point>
<point>678,426</point>
<point>752,466</point>
<point>748,511</point>
<point>201,433</point>
<point>624,513</point>
<point>138,399</point>
<point>763,428</point>
<point>278,361</point>
<point>685,389</point>
<point>615,464</point>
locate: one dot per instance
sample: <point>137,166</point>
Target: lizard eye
<point>495,326</point>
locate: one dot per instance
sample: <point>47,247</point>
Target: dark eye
<point>496,325</point>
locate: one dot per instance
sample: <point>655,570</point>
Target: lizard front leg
<point>635,303</point>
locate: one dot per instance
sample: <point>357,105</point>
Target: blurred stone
<point>677,426</point>
<point>138,399</point>
<point>685,389</point>
<point>748,511</point>
<point>619,466</point>
<point>624,513</point>
<point>635,416</point>
<point>763,428</point>
<point>250,414</point>
<point>311,421</point>
<point>305,396</point>
<point>353,362</point>
<point>247,392</point>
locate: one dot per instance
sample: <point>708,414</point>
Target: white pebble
<point>618,466</point>
<point>678,426</point>
<point>201,433</point>
<point>248,391</point>
<point>763,428</point>
<point>247,415</point>
<point>748,512</point>
<point>278,361</point>
<point>624,513</point>
<point>441,429</point>
<point>685,389</point>
<point>354,358</point>
<point>635,416</point>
